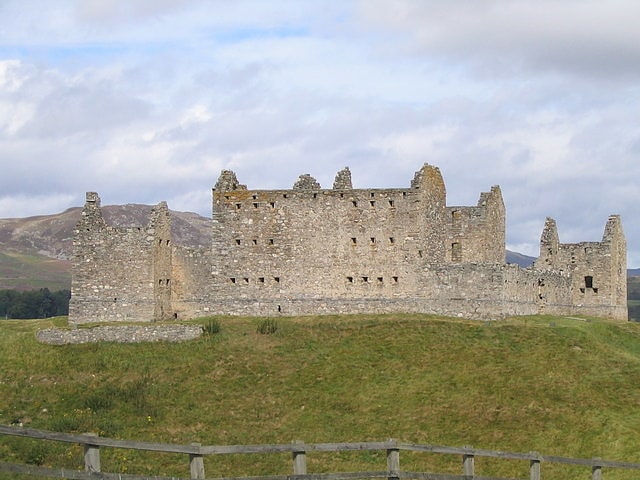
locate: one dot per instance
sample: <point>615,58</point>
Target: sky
<point>148,100</point>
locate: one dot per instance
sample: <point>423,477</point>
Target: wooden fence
<point>299,450</point>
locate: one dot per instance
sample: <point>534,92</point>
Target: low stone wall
<point>120,334</point>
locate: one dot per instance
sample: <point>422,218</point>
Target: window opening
<point>255,205</point>
<point>372,203</point>
<point>588,281</point>
<point>456,252</point>
<point>255,241</point>
<point>233,279</point>
<point>238,241</point>
<point>238,206</point>
<point>261,279</point>
<point>350,279</point>
<point>380,279</point>
<point>277,279</point>
<point>271,241</point>
<point>365,279</point>
<point>395,279</point>
<point>391,203</point>
<point>354,203</point>
<point>273,204</point>
<point>372,240</point>
<point>392,240</point>
<point>354,240</point>
<point>246,280</point>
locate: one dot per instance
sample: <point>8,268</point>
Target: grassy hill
<point>554,385</point>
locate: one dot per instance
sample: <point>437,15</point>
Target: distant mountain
<point>519,259</point>
<point>35,252</point>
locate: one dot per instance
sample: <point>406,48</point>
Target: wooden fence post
<point>299,455</point>
<point>393,461</point>
<point>196,464</point>
<point>596,470</point>
<point>91,456</point>
<point>468,464</point>
<point>534,467</point>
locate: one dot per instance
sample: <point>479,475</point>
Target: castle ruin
<point>310,250</point>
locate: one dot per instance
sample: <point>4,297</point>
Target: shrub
<point>267,326</point>
<point>211,327</point>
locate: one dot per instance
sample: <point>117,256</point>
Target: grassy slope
<point>557,386</point>
<point>31,272</point>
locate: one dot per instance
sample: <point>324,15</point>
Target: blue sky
<point>147,100</point>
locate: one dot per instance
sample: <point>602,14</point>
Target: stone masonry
<point>310,250</point>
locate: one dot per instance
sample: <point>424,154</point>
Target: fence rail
<point>196,452</point>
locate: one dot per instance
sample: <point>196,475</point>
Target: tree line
<point>34,303</point>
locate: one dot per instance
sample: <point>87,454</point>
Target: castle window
<point>350,279</point>
<point>380,279</point>
<point>255,197</point>
<point>260,279</point>
<point>455,217</point>
<point>372,203</point>
<point>238,241</point>
<point>227,197</point>
<point>254,241</point>
<point>271,241</point>
<point>354,241</point>
<point>391,203</point>
<point>315,195</point>
<point>372,240</point>
<point>168,241</point>
<point>246,280</point>
<point>588,281</point>
<point>420,253</point>
<point>284,195</point>
<point>276,279</point>
<point>395,279</point>
<point>456,252</point>
<point>238,206</point>
<point>392,240</point>
<point>372,194</point>
<point>404,194</point>
<point>354,203</point>
<point>365,279</point>
<point>273,204</point>
<point>255,205</point>
<point>233,279</point>
<point>168,281</point>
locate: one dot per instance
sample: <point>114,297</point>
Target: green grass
<point>554,385</point>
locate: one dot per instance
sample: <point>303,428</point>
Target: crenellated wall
<point>309,250</point>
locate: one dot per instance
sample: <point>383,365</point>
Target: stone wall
<point>309,250</point>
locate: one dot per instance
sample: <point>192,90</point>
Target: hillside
<point>35,251</point>
<point>557,386</point>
